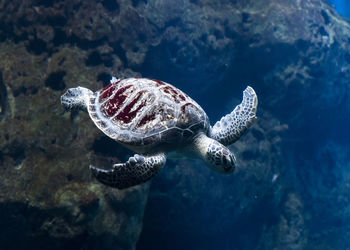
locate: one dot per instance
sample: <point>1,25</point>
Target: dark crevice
<point>16,151</point>
<point>37,46</point>
<point>245,17</point>
<point>86,44</point>
<point>55,80</point>
<point>1,157</point>
<point>3,98</point>
<point>229,32</point>
<point>57,21</point>
<point>96,58</point>
<point>60,37</point>
<point>322,31</point>
<point>104,78</point>
<point>69,177</point>
<point>47,3</point>
<point>119,51</point>
<point>135,3</point>
<point>30,90</point>
<point>176,22</point>
<point>218,34</point>
<point>325,17</point>
<point>111,5</point>
<point>24,22</point>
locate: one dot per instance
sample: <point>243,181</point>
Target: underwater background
<point>292,187</point>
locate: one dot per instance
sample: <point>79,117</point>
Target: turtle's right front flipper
<point>138,169</point>
<point>230,128</point>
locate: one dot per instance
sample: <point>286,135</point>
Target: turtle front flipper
<point>230,128</point>
<point>138,169</point>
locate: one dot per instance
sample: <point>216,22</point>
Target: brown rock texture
<point>47,195</point>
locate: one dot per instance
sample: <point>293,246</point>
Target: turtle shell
<point>140,112</point>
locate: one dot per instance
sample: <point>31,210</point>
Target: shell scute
<point>108,90</point>
<point>172,135</point>
<point>129,112</point>
<point>115,100</point>
<point>146,112</point>
<point>151,140</point>
<point>172,94</point>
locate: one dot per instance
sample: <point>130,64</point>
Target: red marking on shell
<point>158,83</point>
<point>113,105</point>
<point>182,97</point>
<point>183,107</point>
<point>108,90</point>
<point>126,115</point>
<point>175,95</point>
<point>152,116</point>
<point>146,119</point>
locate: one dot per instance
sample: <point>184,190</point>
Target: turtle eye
<point>224,160</point>
<point>233,160</point>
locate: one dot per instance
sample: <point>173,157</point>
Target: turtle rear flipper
<point>230,128</point>
<point>76,98</point>
<point>138,169</point>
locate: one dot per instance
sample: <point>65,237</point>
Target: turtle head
<point>220,158</point>
<point>76,97</point>
<point>217,156</point>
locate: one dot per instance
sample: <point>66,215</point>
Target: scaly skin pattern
<point>138,169</point>
<point>231,127</point>
<point>219,155</point>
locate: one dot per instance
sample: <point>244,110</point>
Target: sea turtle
<point>152,118</point>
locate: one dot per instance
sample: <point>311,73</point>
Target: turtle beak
<point>230,163</point>
<point>233,161</point>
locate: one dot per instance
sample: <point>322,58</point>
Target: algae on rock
<point>46,189</point>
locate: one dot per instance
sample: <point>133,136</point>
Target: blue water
<point>342,6</point>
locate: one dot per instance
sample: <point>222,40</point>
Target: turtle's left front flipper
<point>138,169</point>
<point>230,128</point>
